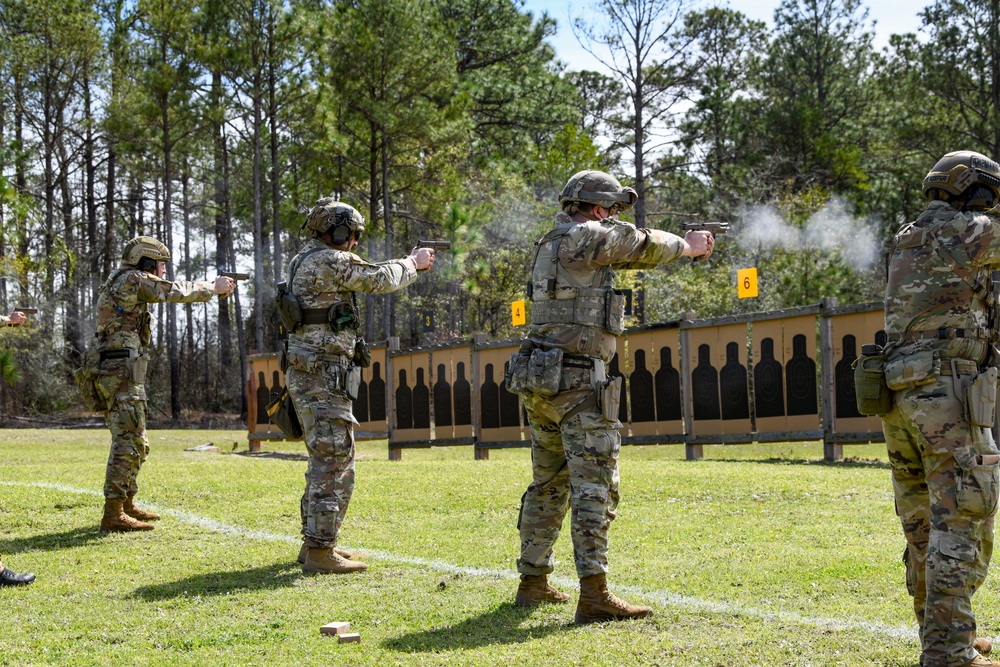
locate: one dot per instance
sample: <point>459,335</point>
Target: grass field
<point>756,555</point>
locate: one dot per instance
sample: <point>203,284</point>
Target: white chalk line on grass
<point>663,598</point>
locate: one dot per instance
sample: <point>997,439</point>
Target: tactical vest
<point>980,280</point>
<point>134,319</point>
<point>339,310</point>
<point>564,300</point>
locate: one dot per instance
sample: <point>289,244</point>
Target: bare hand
<point>17,318</point>
<point>224,285</point>
<point>423,258</point>
<point>699,244</point>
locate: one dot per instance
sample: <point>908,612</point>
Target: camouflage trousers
<point>946,499</point>
<point>129,448</point>
<point>574,464</point>
<point>329,440</point>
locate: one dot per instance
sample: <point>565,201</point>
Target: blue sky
<point>890,16</point>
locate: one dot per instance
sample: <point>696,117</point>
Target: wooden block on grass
<point>335,628</point>
<point>349,637</point>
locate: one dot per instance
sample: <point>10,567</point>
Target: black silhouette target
<point>641,390</point>
<point>442,398</point>
<point>376,394</point>
<point>733,385</point>
<point>668,388</point>
<point>705,386</point>
<point>768,390</point>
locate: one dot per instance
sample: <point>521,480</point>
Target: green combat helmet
<point>596,187</point>
<point>344,219</point>
<point>145,246</point>
<point>964,172</point>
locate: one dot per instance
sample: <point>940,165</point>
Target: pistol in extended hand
<point>26,310</point>
<point>434,245</point>
<point>235,276</point>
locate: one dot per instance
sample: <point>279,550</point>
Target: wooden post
<point>692,451</point>
<point>392,345</point>
<point>832,451</point>
<point>477,422</point>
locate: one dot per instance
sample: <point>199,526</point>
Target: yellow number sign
<point>517,315</point>
<point>747,279</point>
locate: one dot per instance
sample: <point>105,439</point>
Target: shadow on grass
<point>502,625</point>
<point>278,575</point>
<point>849,462</point>
<point>52,541</point>
<point>281,456</point>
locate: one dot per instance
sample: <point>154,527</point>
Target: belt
<point>315,316</point>
<point>578,361</point>
<point>115,354</point>
<point>956,366</point>
<point>940,334</point>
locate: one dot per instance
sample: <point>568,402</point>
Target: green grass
<point>756,555</point>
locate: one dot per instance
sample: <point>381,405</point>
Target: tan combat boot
<point>597,603</point>
<point>980,661</point>
<point>129,508</point>
<point>535,590</point>
<point>983,645</point>
<point>344,553</point>
<point>328,560</point>
<point>116,521</point>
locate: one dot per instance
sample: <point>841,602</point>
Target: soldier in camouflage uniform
<point>940,323</point>
<point>8,578</point>
<point>324,358</point>
<point>574,425</point>
<point>124,329</point>
<point>15,319</point>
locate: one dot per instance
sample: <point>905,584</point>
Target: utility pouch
<point>342,316</point>
<point>301,359</point>
<point>362,353</point>
<point>352,382</point>
<point>981,398</point>
<point>870,389</point>
<point>281,411</point>
<point>610,398</point>
<point>516,379</point>
<point>137,368</point>
<point>913,370</point>
<point>545,371</point>
<point>86,380</point>
<point>145,329</point>
<point>283,357</point>
<point>614,312</point>
<point>288,307</point>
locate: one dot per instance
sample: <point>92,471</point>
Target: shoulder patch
<point>355,259</point>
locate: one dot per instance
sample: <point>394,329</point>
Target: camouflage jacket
<point>123,316</point>
<point>328,276</point>
<point>926,292</point>
<point>581,256</point>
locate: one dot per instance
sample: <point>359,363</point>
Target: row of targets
<point>442,387</point>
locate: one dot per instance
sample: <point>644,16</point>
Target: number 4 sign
<point>517,315</point>
<point>747,283</point>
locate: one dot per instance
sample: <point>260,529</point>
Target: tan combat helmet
<point>597,187</point>
<point>144,246</point>
<point>344,219</point>
<point>962,172</point>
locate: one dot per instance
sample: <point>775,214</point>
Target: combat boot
<point>597,603</point>
<point>980,661</point>
<point>346,554</point>
<point>535,590</point>
<point>116,521</point>
<point>983,645</point>
<point>8,578</point>
<point>328,560</point>
<point>129,508</point>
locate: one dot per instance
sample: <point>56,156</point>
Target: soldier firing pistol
<point>715,228</point>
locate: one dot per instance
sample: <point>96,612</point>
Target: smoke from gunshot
<point>831,228</point>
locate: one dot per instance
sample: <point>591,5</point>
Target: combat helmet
<point>330,213</point>
<point>596,187</point>
<point>961,172</point>
<point>144,246</point>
